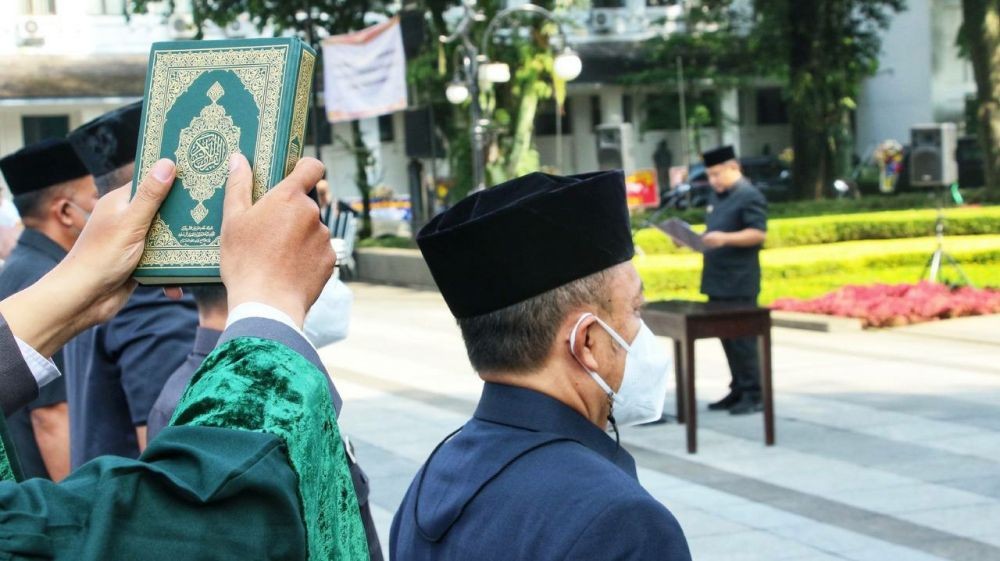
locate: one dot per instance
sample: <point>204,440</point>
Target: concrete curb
<point>397,267</point>
<point>406,267</point>
<point>815,322</point>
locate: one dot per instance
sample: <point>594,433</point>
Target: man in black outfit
<point>736,228</point>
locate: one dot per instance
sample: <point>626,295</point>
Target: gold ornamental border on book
<point>296,140</point>
<point>261,70</point>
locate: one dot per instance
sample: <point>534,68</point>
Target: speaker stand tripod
<point>932,269</point>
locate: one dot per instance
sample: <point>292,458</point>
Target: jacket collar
<point>37,241</point>
<point>534,411</point>
<point>205,340</point>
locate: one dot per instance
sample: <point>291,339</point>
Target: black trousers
<point>742,355</point>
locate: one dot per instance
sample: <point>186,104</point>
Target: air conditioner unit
<point>181,26</point>
<point>30,33</point>
<point>616,146</point>
<point>605,21</point>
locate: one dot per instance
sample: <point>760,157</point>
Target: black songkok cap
<point>41,165</point>
<point>108,142</point>
<point>718,156</point>
<point>527,236</point>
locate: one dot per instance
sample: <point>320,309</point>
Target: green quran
<point>204,101</point>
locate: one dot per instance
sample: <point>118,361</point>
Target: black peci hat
<point>718,156</point>
<point>109,141</point>
<point>527,236</point>
<point>41,165</point>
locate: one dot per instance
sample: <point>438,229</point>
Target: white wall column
<point>729,119</point>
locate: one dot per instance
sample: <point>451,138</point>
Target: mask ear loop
<point>596,378</point>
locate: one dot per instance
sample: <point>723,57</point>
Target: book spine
<point>142,274</point>
<point>300,108</point>
<point>136,179</point>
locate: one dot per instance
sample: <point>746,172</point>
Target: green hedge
<point>871,203</point>
<point>395,242</point>
<point>805,272</point>
<point>793,232</point>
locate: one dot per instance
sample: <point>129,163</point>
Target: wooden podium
<point>685,322</point>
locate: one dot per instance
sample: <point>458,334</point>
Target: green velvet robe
<point>252,468</point>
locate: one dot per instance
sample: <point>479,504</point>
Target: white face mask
<point>644,384</point>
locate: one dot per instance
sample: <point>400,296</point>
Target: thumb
<point>239,187</point>
<point>151,192</point>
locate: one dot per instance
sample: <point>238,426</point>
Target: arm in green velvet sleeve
<point>10,467</point>
<point>260,385</point>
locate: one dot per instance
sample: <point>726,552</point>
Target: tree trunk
<point>805,104</point>
<point>982,34</point>
<point>361,157</point>
<point>518,161</point>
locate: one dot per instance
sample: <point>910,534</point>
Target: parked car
<point>767,173</point>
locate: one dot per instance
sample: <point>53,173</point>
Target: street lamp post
<point>477,67</point>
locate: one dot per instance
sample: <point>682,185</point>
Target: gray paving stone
<point>747,546</point>
<point>859,471</point>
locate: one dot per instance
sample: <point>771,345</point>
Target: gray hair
<point>518,338</point>
<point>33,203</point>
<point>113,179</point>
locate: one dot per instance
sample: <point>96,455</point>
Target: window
<point>627,108</point>
<point>107,7</point>
<point>38,7</point>
<point>596,117</point>
<point>771,107</point>
<point>663,111</point>
<point>386,132</point>
<point>545,119</point>
<point>36,128</point>
<point>607,4</point>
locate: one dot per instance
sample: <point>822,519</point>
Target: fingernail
<point>163,170</point>
<point>235,161</point>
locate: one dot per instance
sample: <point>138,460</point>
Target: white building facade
<point>64,62</point>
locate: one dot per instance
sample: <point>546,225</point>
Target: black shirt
<point>34,256</point>
<point>734,271</point>
<point>116,370</point>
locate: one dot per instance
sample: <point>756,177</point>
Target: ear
<point>59,210</point>
<point>583,344</point>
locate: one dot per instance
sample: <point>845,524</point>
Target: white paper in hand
<point>682,234</point>
<point>330,317</point>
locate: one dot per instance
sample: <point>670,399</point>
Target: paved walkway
<point>888,442</point>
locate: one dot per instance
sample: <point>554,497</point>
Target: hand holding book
<point>94,280</point>
<point>288,267</point>
<point>682,234</point>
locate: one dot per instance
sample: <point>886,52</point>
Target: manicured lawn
<point>809,271</point>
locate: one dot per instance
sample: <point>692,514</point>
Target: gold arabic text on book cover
<point>206,100</point>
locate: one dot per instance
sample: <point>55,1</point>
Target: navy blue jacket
<point>530,478</point>
<point>165,405</point>
<point>115,371</point>
<point>33,257</point>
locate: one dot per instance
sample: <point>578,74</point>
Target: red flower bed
<point>884,305</point>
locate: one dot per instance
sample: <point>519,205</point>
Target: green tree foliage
<point>979,39</point>
<point>524,43</point>
<point>819,49</point>
<point>829,47</point>
<point>326,17</point>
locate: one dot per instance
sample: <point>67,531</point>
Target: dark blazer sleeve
<point>281,333</point>
<point>636,529</point>
<point>17,385</point>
